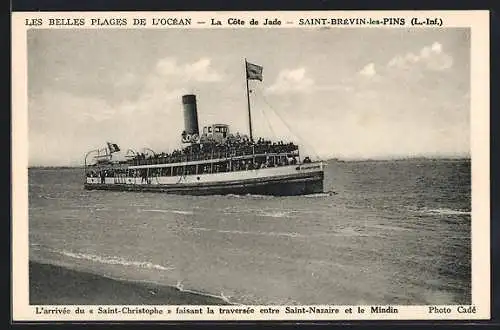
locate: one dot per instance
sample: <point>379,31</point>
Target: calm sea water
<point>395,232</point>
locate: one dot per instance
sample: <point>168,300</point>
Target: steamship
<point>215,162</point>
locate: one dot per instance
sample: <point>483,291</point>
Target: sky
<point>349,93</point>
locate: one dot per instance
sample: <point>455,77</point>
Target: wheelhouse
<point>217,132</point>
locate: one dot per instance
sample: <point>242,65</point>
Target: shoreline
<point>55,285</point>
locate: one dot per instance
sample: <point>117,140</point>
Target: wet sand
<point>54,285</point>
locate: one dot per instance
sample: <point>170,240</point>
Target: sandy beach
<point>54,285</point>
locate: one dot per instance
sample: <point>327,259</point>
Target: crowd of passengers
<point>211,150</point>
<point>218,167</point>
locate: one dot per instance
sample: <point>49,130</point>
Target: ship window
<point>191,169</point>
<point>178,170</point>
<point>204,168</point>
<point>210,130</point>
<point>165,171</point>
<point>221,167</point>
<point>204,130</point>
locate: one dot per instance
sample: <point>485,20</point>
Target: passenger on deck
<point>230,147</point>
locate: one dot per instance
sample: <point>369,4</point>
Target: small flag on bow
<point>113,147</point>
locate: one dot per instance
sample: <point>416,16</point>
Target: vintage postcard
<point>326,165</point>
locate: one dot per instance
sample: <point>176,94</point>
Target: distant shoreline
<point>56,285</point>
<point>409,159</point>
<point>342,160</point>
<point>56,167</point>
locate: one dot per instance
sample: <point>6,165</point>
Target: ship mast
<point>248,101</point>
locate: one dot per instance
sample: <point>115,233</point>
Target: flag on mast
<point>113,147</point>
<point>254,71</point>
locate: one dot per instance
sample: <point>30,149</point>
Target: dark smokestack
<point>190,114</point>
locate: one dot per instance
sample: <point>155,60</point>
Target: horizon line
<point>339,159</point>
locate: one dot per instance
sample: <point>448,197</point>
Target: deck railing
<point>169,159</point>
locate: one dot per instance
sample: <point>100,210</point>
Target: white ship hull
<point>283,181</point>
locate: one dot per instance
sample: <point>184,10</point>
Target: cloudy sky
<point>346,93</point>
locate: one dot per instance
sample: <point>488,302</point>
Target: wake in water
<point>274,214</point>
<point>442,211</point>
<point>168,211</point>
<point>248,196</point>
<point>318,195</point>
<point>179,286</point>
<point>321,195</point>
<point>47,197</point>
<point>243,232</point>
<point>109,260</point>
<point>271,212</point>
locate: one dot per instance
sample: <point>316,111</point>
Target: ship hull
<point>291,182</point>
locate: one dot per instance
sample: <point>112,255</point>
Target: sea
<point>384,232</point>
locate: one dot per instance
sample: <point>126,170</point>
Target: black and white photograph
<point>316,165</point>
